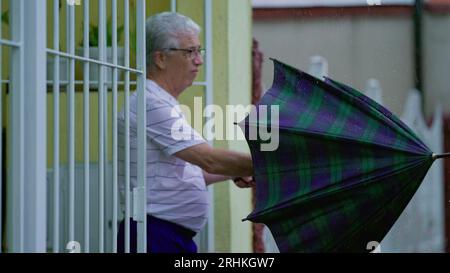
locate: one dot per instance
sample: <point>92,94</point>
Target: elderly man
<point>179,169</point>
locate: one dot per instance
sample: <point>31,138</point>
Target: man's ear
<point>160,60</point>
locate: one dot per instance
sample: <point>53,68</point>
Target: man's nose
<point>198,59</point>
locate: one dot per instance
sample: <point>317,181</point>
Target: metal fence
<point>41,210</point>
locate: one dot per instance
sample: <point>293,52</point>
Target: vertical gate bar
<point>209,50</point>
<point>56,84</point>
<point>141,124</point>
<point>114,124</point>
<point>86,123</point>
<point>22,129</point>
<point>106,86</point>
<point>1,133</point>
<point>35,127</point>
<point>71,121</point>
<point>209,231</point>
<point>16,120</point>
<point>66,182</point>
<point>101,121</point>
<point>127,125</point>
<point>173,5</point>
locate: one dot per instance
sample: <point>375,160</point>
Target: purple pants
<point>162,237</point>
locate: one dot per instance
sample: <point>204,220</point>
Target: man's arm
<point>214,178</point>
<point>217,161</point>
<point>241,182</point>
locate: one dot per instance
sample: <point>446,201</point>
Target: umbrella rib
<point>356,229</point>
<point>349,96</point>
<point>334,137</point>
<point>377,108</point>
<point>317,195</point>
<point>377,212</point>
<point>295,168</point>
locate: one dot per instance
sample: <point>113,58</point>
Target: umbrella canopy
<point>344,170</point>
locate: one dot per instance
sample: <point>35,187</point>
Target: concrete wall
<point>437,62</point>
<point>359,48</point>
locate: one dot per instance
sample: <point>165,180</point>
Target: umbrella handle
<point>436,156</point>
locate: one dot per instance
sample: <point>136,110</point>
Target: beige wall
<point>357,48</point>
<point>437,62</point>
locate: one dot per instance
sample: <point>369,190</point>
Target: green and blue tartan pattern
<point>344,170</point>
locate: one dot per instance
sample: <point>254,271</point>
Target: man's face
<point>182,68</point>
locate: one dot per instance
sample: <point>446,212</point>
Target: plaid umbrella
<point>344,170</point>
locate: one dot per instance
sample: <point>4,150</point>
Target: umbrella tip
<point>437,156</point>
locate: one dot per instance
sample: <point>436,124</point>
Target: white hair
<point>163,31</point>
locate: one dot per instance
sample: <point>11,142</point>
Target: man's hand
<point>244,182</point>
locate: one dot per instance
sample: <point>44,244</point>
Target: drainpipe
<point>418,80</point>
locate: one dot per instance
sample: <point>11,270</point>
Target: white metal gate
<point>74,206</point>
<point>28,193</point>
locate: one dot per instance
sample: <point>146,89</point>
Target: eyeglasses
<point>190,53</point>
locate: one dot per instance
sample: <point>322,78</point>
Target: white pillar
<point>35,101</point>
<point>141,120</point>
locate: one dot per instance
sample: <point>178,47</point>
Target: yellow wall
<point>79,129</point>
<point>221,89</point>
<point>5,53</point>
<point>239,67</point>
<point>232,85</point>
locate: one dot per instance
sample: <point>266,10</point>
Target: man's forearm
<point>232,163</point>
<point>214,178</point>
<point>218,161</point>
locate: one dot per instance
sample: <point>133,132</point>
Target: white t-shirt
<point>176,189</point>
